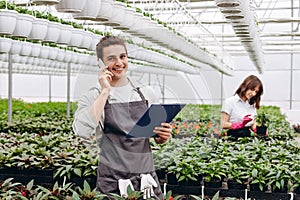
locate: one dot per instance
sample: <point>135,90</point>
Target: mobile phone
<point>100,63</point>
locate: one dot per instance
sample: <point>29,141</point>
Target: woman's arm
<point>225,121</point>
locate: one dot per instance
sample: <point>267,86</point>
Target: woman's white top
<point>236,108</point>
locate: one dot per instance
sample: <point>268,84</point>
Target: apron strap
<point>137,89</point>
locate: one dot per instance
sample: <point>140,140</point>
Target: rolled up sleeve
<point>83,124</point>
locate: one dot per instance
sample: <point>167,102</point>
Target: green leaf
<point>196,197</point>
<point>254,173</point>
<point>86,187</point>
<point>77,171</point>
<point>216,196</point>
<point>30,185</point>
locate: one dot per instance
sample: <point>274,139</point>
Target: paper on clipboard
<point>154,116</point>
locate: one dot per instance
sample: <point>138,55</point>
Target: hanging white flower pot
<point>87,39</point>
<point>90,10</point>
<point>117,14</point>
<point>44,53</point>
<point>129,19</point>
<point>16,47</point>
<point>92,60</point>
<point>5,45</point>
<point>16,58</point>
<point>23,59</point>
<point>70,6</point>
<point>26,49</point>
<point>227,3</point>
<point>81,59</point>
<point>105,10</point>
<point>23,25</point>
<point>76,38</point>
<point>53,32</point>
<point>65,34</point>
<point>95,40</point>
<point>39,29</point>
<point>53,53</point>
<point>68,56</point>
<point>35,50</point>
<point>47,62</point>
<point>74,58</point>
<point>8,20</point>
<point>60,55</point>
<point>29,61</point>
<point>36,62</point>
<point>45,2</point>
<point>4,57</point>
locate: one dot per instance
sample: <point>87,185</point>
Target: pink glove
<point>242,124</point>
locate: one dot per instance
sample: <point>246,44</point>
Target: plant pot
<point>90,10</point>
<point>105,11</point>
<point>26,49</point>
<point>213,183</point>
<point>261,130</point>
<point>39,29</point>
<point>5,45</point>
<point>171,179</point>
<point>45,2</point>
<point>4,57</point>
<point>86,39</point>
<point>76,38</point>
<point>29,60</point>
<point>94,42</point>
<point>118,13</point>
<point>280,190</point>
<point>53,53</point>
<point>70,6</point>
<point>297,190</point>
<point>23,25</point>
<point>74,58</point>
<point>8,21</point>
<point>16,47</point>
<point>232,184</point>
<point>161,173</point>
<point>255,187</point>
<point>35,50</point>
<point>44,53</point>
<point>16,58</point>
<point>68,56</point>
<point>65,34</point>
<point>60,55</point>
<point>53,32</point>
<point>191,182</point>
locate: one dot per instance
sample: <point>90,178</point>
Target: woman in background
<point>239,110</point>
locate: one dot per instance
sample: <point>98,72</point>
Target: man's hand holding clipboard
<point>153,117</point>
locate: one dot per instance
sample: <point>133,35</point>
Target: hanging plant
<point>9,5</point>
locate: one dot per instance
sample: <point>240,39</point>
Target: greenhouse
<point>142,99</point>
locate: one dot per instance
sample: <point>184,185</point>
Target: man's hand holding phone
<point>104,75</point>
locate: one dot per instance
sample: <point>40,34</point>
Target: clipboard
<point>154,116</point>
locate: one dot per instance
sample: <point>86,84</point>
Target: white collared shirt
<point>236,108</point>
<point>85,126</point>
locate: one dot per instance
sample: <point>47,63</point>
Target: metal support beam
<point>9,88</point>
<point>68,88</point>
<point>50,88</point>
<point>292,60</point>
